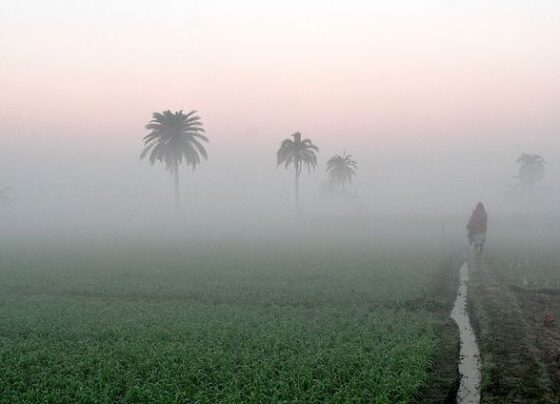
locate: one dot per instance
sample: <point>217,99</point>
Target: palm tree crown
<point>341,169</point>
<point>175,137</point>
<point>298,153</point>
<point>531,169</point>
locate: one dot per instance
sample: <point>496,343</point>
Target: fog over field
<point>320,250</point>
<point>80,186</point>
<point>435,114</point>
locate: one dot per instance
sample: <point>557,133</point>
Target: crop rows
<point>232,324</point>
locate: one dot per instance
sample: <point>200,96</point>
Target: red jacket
<point>478,222</point>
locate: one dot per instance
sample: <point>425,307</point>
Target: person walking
<point>477,226</point>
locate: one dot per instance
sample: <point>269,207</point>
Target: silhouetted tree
<point>341,169</point>
<point>531,170</point>
<point>298,153</point>
<point>175,138</point>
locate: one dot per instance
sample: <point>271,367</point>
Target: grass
<point>218,322</point>
<point>514,365</point>
<point>535,266</point>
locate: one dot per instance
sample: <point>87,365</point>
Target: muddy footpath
<point>469,359</point>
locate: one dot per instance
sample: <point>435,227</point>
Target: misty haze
<point>257,201</point>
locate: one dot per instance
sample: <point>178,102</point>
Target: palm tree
<point>531,170</point>
<point>341,169</point>
<point>175,138</point>
<point>298,153</point>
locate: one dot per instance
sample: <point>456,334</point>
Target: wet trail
<point>469,361</point>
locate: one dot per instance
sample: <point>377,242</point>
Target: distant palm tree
<point>175,138</point>
<point>299,153</point>
<point>531,170</point>
<point>341,169</point>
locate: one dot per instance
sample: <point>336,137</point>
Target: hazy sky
<point>422,92</point>
<point>375,69</point>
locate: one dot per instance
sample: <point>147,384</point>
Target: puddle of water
<point>469,361</point>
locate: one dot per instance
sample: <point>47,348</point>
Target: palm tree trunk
<point>177,190</point>
<point>297,191</point>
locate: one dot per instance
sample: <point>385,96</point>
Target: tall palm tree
<point>298,153</point>
<point>341,169</point>
<point>531,169</point>
<point>175,138</point>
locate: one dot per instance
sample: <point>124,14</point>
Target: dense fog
<point>279,201</point>
<point>74,186</point>
<point>435,115</point>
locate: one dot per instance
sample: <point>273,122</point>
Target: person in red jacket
<point>477,227</point>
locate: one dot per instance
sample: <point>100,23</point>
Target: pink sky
<point>260,70</point>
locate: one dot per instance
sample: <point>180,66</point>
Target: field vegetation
<point>516,304</point>
<point>223,322</point>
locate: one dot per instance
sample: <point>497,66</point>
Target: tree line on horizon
<point>176,138</point>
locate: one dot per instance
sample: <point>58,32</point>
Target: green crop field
<point>515,304</point>
<point>219,322</point>
<point>528,265</point>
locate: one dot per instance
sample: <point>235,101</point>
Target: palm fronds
<point>341,169</point>
<point>297,152</point>
<point>175,138</point>
<point>531,169</point>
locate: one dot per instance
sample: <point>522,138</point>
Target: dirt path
<point>469,363</point>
